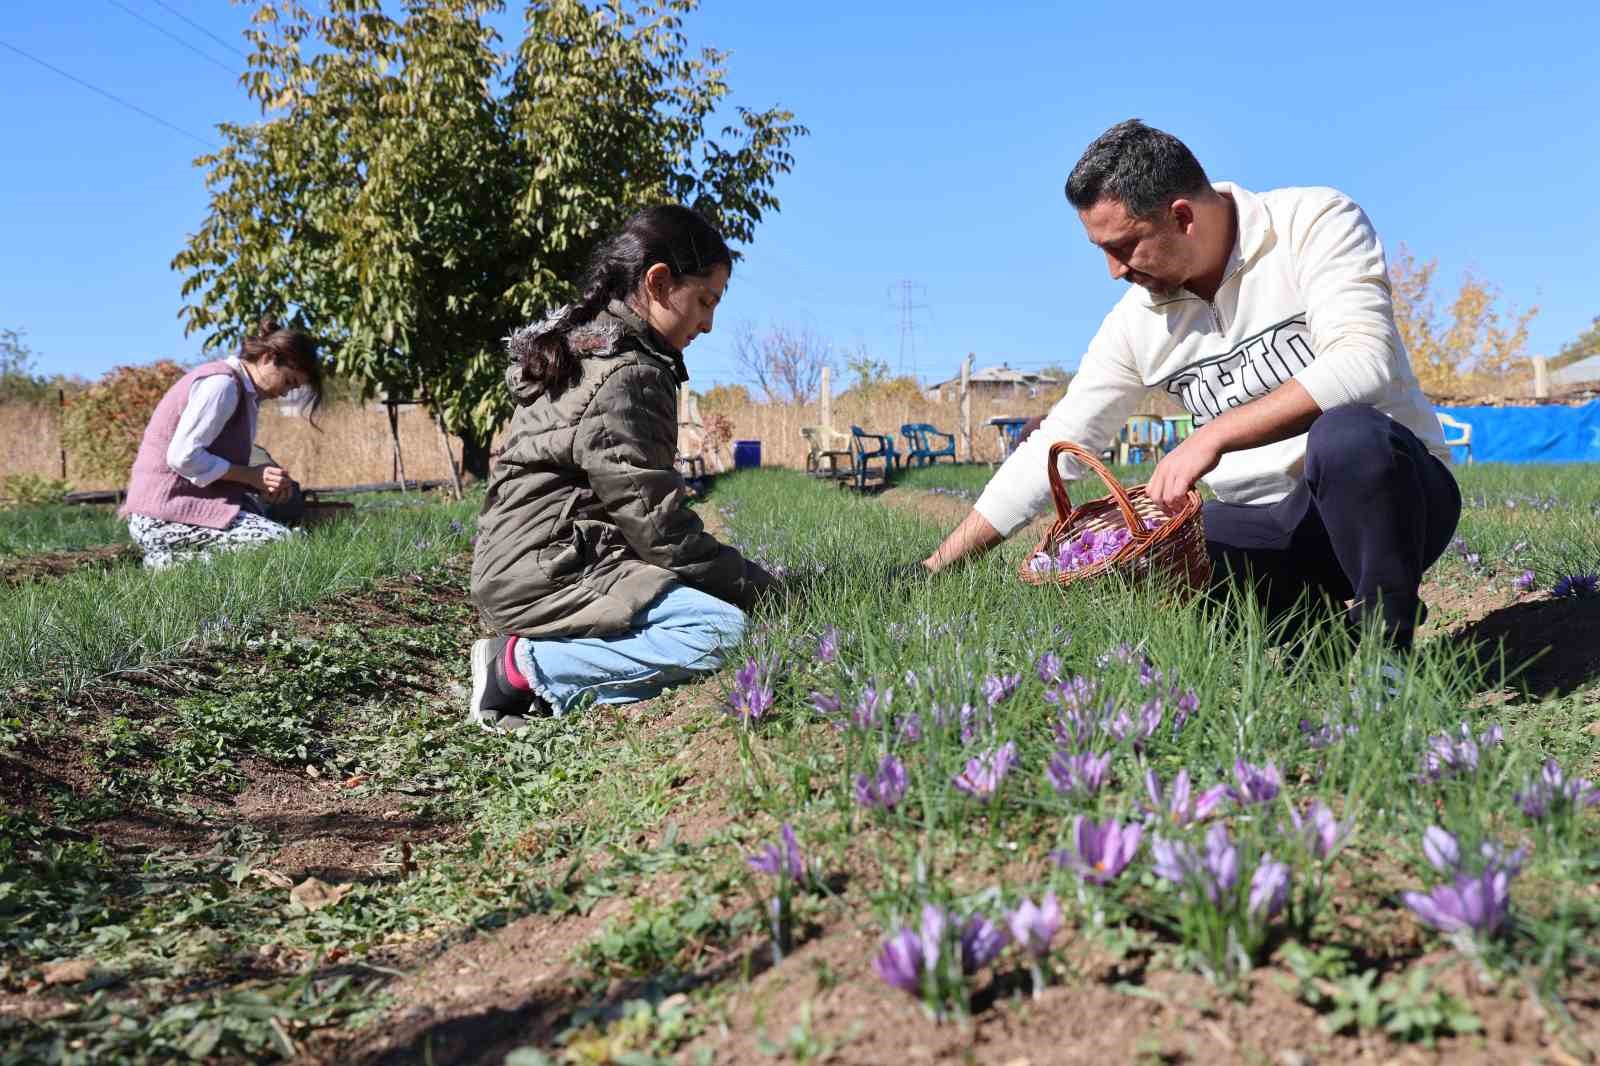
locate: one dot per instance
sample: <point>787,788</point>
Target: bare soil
<point>49,565</point>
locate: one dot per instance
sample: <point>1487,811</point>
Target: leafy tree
<point>1480,348</point>
<point>19,383</point>
<point>413,193</point>
<point>869,372</point>
<point>1582,346</point>
<point>725,398</point>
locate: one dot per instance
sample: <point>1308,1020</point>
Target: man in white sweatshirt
<point>1269,317</point>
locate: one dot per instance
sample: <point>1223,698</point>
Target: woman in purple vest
<point>186,496</point>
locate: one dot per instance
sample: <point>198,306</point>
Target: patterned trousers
<point>166,543</point>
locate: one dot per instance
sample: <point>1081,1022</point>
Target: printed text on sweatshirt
<point>1305,296</point>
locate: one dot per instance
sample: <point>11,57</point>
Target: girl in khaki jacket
<point>603,581</point>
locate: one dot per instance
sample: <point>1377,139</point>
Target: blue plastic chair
<point>923,452</point>
<point>862,456</point>
<point>1141,438</point>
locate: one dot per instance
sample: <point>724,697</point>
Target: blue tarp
<point>1548,434</point>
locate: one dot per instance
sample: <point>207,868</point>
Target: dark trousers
<point>1372,512</point>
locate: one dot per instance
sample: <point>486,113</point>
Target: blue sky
<point>941,136</point>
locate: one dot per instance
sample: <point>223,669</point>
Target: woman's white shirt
<point>212,401</point>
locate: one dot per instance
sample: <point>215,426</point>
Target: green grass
<point>84,625</point>
<point>59,527</point>
<point>934,642</point>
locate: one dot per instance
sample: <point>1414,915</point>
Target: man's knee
<point>1353,440</point>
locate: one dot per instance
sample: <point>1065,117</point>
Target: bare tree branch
<point>785,361</point>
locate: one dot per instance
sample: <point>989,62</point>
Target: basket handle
<point>1089,459</point>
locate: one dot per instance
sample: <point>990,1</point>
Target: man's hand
<point>1182,467</point>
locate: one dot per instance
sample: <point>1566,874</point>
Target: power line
<point>908,326</point>
<point>109,96</point>
<point>168,33</point>
<point>230,47</point>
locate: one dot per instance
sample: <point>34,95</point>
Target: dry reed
<point>353,446</point>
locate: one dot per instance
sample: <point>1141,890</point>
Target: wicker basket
<point>1177,547</point>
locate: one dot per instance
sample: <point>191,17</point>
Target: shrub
<point>102,425</point>
<point>31,490</point>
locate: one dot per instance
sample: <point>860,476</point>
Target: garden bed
<point>581,892</point>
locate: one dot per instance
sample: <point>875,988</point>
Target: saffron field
<point>952,819</point>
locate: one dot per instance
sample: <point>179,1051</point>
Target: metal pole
<point>966,404</point>
<point>61,423</point>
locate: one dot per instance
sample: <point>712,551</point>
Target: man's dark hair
<point>1139,166</point>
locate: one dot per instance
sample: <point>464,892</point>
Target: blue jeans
<point>682,633</point>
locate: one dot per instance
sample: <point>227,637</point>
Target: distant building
<point>1000,382</point>
<point>1583,372</point>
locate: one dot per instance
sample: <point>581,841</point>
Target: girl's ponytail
<point>669,234</point>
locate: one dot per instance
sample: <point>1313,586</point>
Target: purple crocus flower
<point>1048,667</point>
<point>1221,866</point>
<point>1080,774</point>
<point>1179,805</point>
<point>910,728</point>
<point>900,962</point>
<point>752,694</point>
<point>1576,586</point>
<point>1150,715</point>
<point>828,645</point>
<point>1148,674</point>
<point>1206,804</point>
<point>1320,830</point>
<point>1186,704</point>
<point>981,942</point>
<point>886,789</point>
<point>1494,854</point>
<point>970,722</point>
<point>1033,927</point>
<point>1448,755</point>
<point>1100,850</point>
<point>1122,653</point>
<point>999,687</point>
<point>934,922</point>
<point>782,859</point>
<point>1074,729</point>
<point>1441,849</point>
<point>1175,861</point>
<point>984,772</point>
<point>1256,784</point>
<point>869,706</point>
<point>1072,694</point>
<point>825,702</point>
<point>1325,735</point>
<point>1553,789</point>
<point>1472,904</point>
<point>1269,887</point>
<point>1524,581</point>
<point>1117,723</point>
